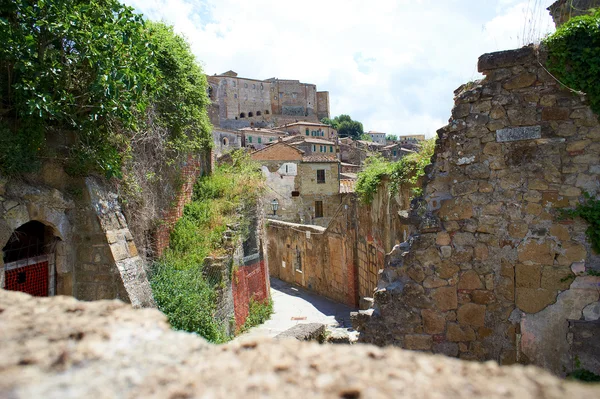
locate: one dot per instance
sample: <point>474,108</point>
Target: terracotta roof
<point>319,141</point>
<point>349,176</point>
<point>347,186</point>
<point>350,164</point>
<point>268,147</point>
<point>319,159</point>
<point>262,131</point>
<point>369,143</point>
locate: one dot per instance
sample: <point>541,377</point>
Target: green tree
<point>346,126</point>
<point>391,137</point>
<point>92,68</point>
<point>365,137</point>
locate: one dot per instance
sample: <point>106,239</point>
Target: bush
<point>574,55</point>
<point>258,313</point>
<point>182,292</point>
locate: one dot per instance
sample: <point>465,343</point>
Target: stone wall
<point>59,347</point>
<point>342,260</point>
<point>323,105</point>
<point>491,273</point>
<point>563,10</point>
<point>193,168</point>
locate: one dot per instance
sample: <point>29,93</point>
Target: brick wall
<point>191,170</point>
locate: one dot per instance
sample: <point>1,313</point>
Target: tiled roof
<point>303,123</point>
<point>347,186</point>
<point>319,141</point>
<point>350,164</point>
<point>348,175</point>
<point>262,131</point>
<point>319,159</point>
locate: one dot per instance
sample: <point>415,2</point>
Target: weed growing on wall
<point>589,211</point>
<point>408,170</point>
<point>182,291</point>
<point>574,55</point>
<point>258,313</point>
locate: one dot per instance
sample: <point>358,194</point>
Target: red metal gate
<point>28,275</point>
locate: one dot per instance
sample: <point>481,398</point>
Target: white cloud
<point>392,64</point>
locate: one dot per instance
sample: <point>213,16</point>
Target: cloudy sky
<point>392,64</point>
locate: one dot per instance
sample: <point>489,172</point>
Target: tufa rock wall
<point>59,347</point>
<point>491,272</point>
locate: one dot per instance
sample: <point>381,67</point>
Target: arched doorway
<point>29,259</point>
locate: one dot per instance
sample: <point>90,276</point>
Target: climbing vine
<point>589,211</point>
<point>574,55</point>
<point>408,170</point>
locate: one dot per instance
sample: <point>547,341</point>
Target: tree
<point>346,126</point>
<point>365,137</point>
<point>392,137</point>
<point>94,68</point>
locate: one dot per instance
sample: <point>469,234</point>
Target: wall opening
<point>242,115</point>
<point>250,114</point>
<point>29,259</point>
<point>258,113</point>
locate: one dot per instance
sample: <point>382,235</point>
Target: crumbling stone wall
<point>563,10</point>
<point>491,251</point>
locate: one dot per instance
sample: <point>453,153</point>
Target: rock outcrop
<point>59,347</point>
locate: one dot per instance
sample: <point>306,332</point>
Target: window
<point>395,152</point>
<point>321,176</point>
<point>331,148</point>
<point>295,193</point>
<point>298,260</point>
<point>307,132</point>
<point>235,96</point>
<point>249,139</point>
<point>259,140</point>
<point>318,209</point>
<point>242,115</point>
<point>271,139</point>
<point>267,112</point>
<point>258,113</point>
<point>225,141</point>
<point>314,148</point>
<point>254,86</point>
<point>233,83</point>
<point>320,148</point>
<point>250,114</point>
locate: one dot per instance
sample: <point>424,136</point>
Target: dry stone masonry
<point>494,272</point>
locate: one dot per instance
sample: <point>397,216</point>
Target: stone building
<point>410,140</point>
<point>563,10</point>
<point>377,137</point>
<point>226,141</point>
<point>394,152</point>
<point>258,138</point>
<point>312,146</point>
<point>305,186</point>
<point>310,129</point>
<point>241,102</point>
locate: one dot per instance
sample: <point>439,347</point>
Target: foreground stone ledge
<point>59,347</point>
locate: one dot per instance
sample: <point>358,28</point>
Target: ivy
<point>408,170</point>
<point>574,56</point>
<point>589,211</point>
<point>94,69</point>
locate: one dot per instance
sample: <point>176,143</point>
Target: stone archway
<point>29,258</point>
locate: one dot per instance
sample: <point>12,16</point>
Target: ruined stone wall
<point>563,10</point>
<point>193,168</point>
<point>490,274</point>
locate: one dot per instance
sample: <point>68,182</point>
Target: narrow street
<point>293,305</point>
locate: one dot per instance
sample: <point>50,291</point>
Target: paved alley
<point>293,305</point>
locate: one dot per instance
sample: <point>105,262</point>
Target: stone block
<point>433,322</point>
<point>456,209</point>
<point>556,278</point>
<point>446,348</point>
<point>445,298</point>
<point>481,252</point>
<point>506,59</point>
<point>554,200</point>
<point>471,314</point>
<point>478,171</point>
<point>442,238</point>
<point>533,300</point>
<point>119,250</point>
<point>457,333</point>
<point>524,79</point>
<point>446,251</point>
<point>470,280</point>
<point>446,269</point>
<point>518,133</point>
<point>482,297</point>
<point>555,114</point>
<point>434,282</point>
<point>528,276</point>
<point>304,332</point>
<point>518,229</point>
<point>418,342</point>
<point>592,312</point>
<point>533,252</point>
<point>571,252</point>
<point>560,232</point>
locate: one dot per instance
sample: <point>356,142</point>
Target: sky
<point>391,64</point>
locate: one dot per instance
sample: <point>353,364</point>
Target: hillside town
<point>169,232</point>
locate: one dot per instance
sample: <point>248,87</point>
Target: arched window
<point>258,113</point>
<point>225,141</point>
<point>242,115</point>
<point>267,112</point>
<point>250,114</point>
